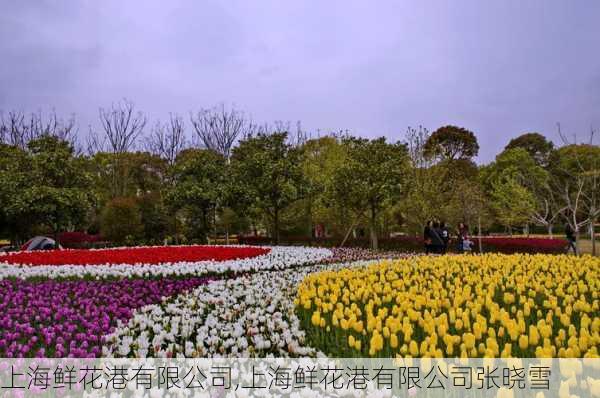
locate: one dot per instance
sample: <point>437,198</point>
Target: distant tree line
<point>217,173</point>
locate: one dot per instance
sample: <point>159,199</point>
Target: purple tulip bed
<point>68,318</point>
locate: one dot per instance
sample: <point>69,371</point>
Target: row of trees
<point>234,176</point>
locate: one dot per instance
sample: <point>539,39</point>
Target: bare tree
<point>122,126</point>
<point>548,209</point>
<point>18,128</point>
<point>415,142</point>
<point>580,191</point>
<point>168,139</point>
<point>95,142</point>
<point>219,128</point>
<point>295,138</point>
<point>13,129</point>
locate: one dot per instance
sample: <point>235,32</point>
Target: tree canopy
<point>267,169</point>
<point>535,144</point>
<point>451,143</point>
<point>374,172</point>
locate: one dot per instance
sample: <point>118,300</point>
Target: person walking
<point>571,239</point>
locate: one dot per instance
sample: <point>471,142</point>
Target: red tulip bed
<point>61,303</point>
<point>136,255</point>
<point>523,245</point>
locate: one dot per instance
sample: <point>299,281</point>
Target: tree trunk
<point>550,227</point>
<point>479,233</point>
<point>175,229</point>
<point>309,223</point>
<point>351,230</point>
<point>373,230</point>
<point>593,237</point>
<point>205,226</point>
<point>55,234</point>
<point>577,236</point>
<point>215,222</point>
<point>276,226</point>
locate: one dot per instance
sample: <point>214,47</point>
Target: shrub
<point>153,218</point>
<point>121,220</point>
<point>77,239</point>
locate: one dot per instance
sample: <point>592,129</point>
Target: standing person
<point>461,235</point>
<point>571,239</point>
<point>437,242</point>
<point>445,235</point>
<point>427,236</point>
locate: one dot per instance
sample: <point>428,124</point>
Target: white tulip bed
<point>249,316</point>
<point>277,258</point>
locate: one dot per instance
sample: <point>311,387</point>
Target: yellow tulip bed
<point>491,305</point>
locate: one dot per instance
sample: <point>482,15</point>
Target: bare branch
<point>122,126</point>
<point>95,142</point>
<point>167,140</point>
<point>415,140</point>
<point>17,128</point>
<point>219,128</point>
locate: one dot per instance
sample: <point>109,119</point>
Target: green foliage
<point>154,218</point>
<point>198,187</point>
<point>538,147</point>
<point>121,220</point>
<point>513,203</point>
<point>198,177</point>
<point>575,171</point>
<point>468,204</point>
<point>43,185</point>
<point>267,173</point>
<point>423,200</point>
<point>372,174</point>
<point>517,164</point>
<point>451,143</point>
<point>573,160</point>
<point>126,174</point>
<point>13,163</point>
<point>320,158</point>
<point>447,190</point>
<point>287,189</point>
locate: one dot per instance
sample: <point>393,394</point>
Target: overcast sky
<point>498,68</point>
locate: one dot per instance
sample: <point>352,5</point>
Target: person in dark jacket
<point>427,237</point>
<point>571,239</point>
<point>437,242</point>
